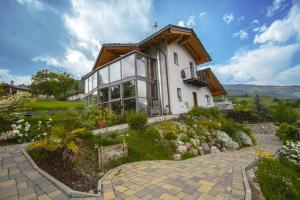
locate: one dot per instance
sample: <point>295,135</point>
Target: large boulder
<point>214,149</point>
<point>193,142</point>
<point>181,149</point>
<point>179,143</point>
<point>244,139</point>
<point>188,145</point>
<point>176,156</point>
<point>225,140</point>
<point>206,148</point>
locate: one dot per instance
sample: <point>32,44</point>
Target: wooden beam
<point>184,40</point>
<point>180,32</point>
<point>175,39</point>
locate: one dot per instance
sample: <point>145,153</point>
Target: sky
<point>250,41</point>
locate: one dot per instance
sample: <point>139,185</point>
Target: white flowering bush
<point>291,151</point>
<point>22,131</point>
<point>244,139</point>
<point>224,139</point>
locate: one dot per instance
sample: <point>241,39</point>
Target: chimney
<point>155,27</point>
<point>11,82</point>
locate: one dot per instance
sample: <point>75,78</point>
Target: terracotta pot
<point>101,123</point>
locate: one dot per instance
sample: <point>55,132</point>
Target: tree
<point>53,83</point>
<point>282,113</point>
<point>261,110</point>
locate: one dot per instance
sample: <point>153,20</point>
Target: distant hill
<point>264,90</point>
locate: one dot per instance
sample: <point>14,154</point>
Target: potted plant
<point>100,122</point>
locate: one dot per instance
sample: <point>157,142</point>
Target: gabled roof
<point>170,33</point>
<point>214,85</point>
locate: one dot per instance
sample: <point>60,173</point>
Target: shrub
<point>92,115</point>
<point>169,135</point>
<point>250,134</point>
<point>287,132</point>
<point>106,140</point>
<point>282,113</point>
<point>185,139</point>
<point>230,127</point>
<point>209,124</point>
<point>291,151</point>
<point>137,120</point>
<point>210,113</point>
<point>152,133</point>
<point>187,155</point>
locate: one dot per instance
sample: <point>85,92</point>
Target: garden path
<point>212,176</point>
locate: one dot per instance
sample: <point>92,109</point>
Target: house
<point>224,105</point>
<point>11,89</point>
<point>157,75</point>
<point>77,96</point>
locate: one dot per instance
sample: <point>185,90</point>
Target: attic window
<point>176,58</point>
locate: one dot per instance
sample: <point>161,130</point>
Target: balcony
<point>191,76</point>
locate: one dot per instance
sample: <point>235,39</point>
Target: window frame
<point>179,94</point>
<point>176,60</point>
<point>208,99</point>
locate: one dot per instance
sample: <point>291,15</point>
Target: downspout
<point>167,77</point>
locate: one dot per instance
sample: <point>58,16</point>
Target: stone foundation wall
<point>111,152</point>
<point>263,128</point>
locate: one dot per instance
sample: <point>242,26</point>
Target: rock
<point>219,145</point>
<point>176,156</point>
<point>181,149</point>
<point>206,148</point>
<point>179,143</point>
<point>193,151</point>
<point>214,149</point>
<point>200,151</point>
<point>100,174</point>
<point>193,142</point>
<point>197,142</point>
<point>188,145</point>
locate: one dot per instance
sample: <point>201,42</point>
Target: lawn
<point>35,104</point>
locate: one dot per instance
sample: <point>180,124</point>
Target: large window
<point>94,80</point>
<point>90,83</point>
<point>116,106</point>
<point>152,69</point>
<point>129,104</point>
<point>115,71</point>
<point>95,98</point>
<point>142,89</point>
<point>115,92</point>
<point>103,94</point>
<point>128,67</point>
<point>142,104</point>
<point>103,76</point>
<point>86,85</point>
<point>129,89</point>
<point>141,65</point>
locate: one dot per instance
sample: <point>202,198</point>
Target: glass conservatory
<point>127,83</point>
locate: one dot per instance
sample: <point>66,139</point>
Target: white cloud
<point>91,23</point>
<point>276,5</point>
<point>74,61</point>
<point>268,64</point>
<point>290,76</point>
<point>36,4</point>
<point>282,30</point>
<point>255,22</point>
<point>260,29</point>
<point>228,18</point>
<point>202,14</point>
<point>6,76</point>
<point>181,23</point>
<point>191,23</point>
<point>242,35</point>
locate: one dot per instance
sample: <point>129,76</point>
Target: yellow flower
<point>262,154</point>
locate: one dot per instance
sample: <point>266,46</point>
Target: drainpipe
<point>167,77</point>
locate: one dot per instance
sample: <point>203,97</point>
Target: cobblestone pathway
<point>213,176</point>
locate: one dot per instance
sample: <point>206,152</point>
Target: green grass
<point>279,179</point>
<point>35,104</point>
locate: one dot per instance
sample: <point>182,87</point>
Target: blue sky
<point>250,41</point>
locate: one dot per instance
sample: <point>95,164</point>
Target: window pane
<point>153,90</point>
<point>90,100</point>
<point>115,92</point>
<point>179,94</point>
<point>95,97</point>
<point>128,66</point>
<point>142,89</point>
<point>86,85</point>
<point>152,70</point>
<point>142,103</point>
<point>103,76</point>
<point>129,105</point>
<point>94,80</point>
<point>103,93</point>
<point>103,105</point>
<point>90,83</point>
<point>129,89</point>
<point>141,63</point>
<point>176,58</point>
<point>115,72</point>
<point>116,106</point>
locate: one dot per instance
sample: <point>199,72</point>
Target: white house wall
<point>175,81</point>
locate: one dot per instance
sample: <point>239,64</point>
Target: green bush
<point>169,135</point>
<point>230,127</point>
<point>185,139</point>
<point>152,133</point>
<point>187,155</point>
<point>282,113</point>
<point>287,132</point>
<point>250,134</point>
<point>137,120</point>
<point>278,179</point>
<point>210,113</point>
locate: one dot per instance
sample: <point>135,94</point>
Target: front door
<point>195,99</point>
